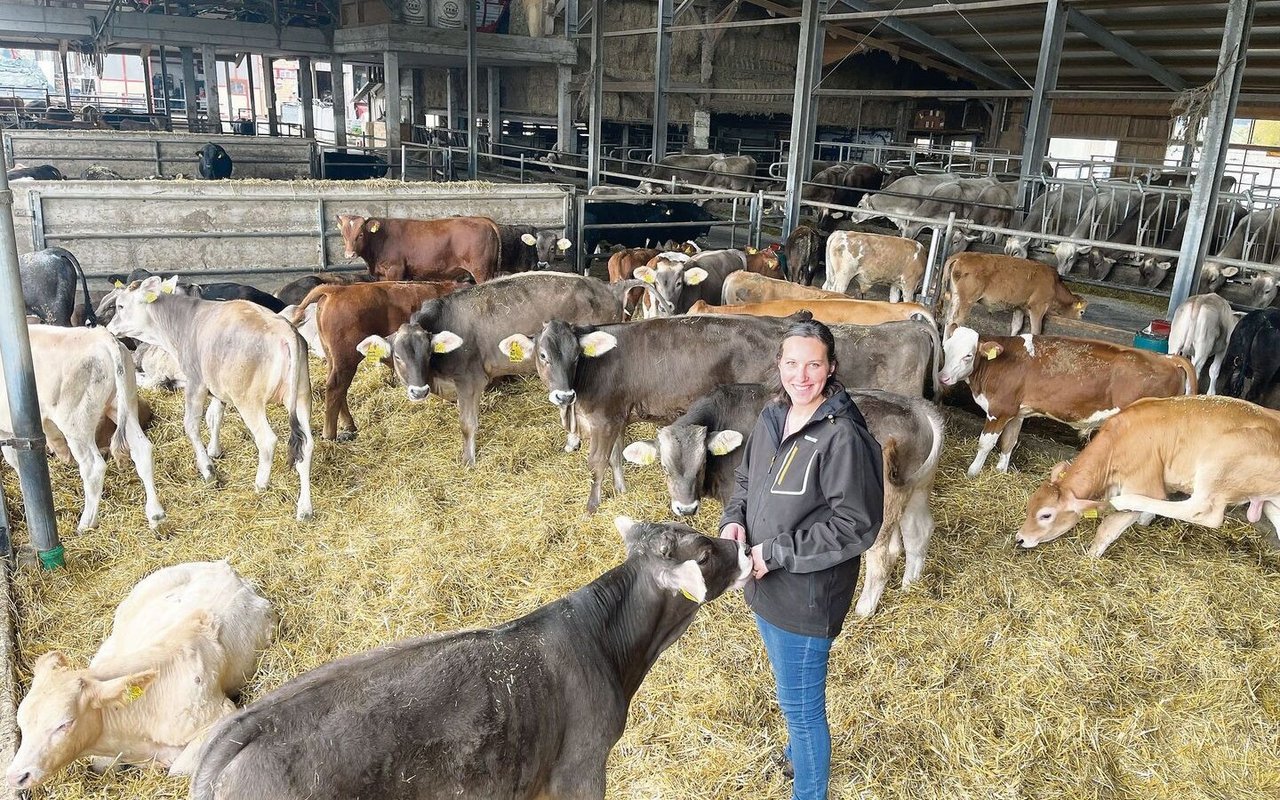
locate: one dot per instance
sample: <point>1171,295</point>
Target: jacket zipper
<point>830,418</point>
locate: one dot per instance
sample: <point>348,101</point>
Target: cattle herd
<point>679,335</point>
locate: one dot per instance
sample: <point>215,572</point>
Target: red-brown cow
<point>998,281</point>
<point>345,315</point>
<point>458,248</point>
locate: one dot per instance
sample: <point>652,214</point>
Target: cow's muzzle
<point>543,265</point>
<point>685,509</point>
<point>418,393</point>
<point>562,398</point>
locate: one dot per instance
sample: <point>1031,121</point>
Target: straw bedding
<point>1153,672</point>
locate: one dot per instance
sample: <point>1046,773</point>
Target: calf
<point>856,312</point>
<point>233,351</point>
<point>1201,328</point>
<point>450,345</point>
<point>875,259</point>
<point>345,317</point>
<point>1253,355</point>
<point>624,263</point>
<point>1079,382</point>
<point>214,164</point>
<point>699,452</point>
<point>747,287</point>
<point>223,290</point>
<point>424,249</point>
<point>546,245</point>
<point>611,372</point>
<point>41,172</point>
<point>525,710</point>
<point>293,292</point>
<point>804,249</point>
<point>83,377</point>
<point>1220,451</point>
<point>185,639</point>
<point>49,279</point>
<point>1262,290</point>
<point>998,281</point>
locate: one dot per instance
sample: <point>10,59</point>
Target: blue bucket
<point>1146,341</point>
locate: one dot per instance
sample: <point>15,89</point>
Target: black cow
<point>340,165</point>
<point>804,250</point>
<point>292,293</point>
<point>525,710</point>
<point>661,218</point>
<point>215,164</point>
<point>244,127</point>
<point>525,248</point>
<point>43,172</point>
<point>49,279</point>
<point>1253,356</point>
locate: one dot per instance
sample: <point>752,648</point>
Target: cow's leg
<point>1109,529</point>
<point>469,417</point>
<point>255,419</point>
<point>895,293</point>
<point>213,421</point>
<point>1272,511</point>
<point>336,387</point>
<point>1008,441</point>
<point>92,470</point>
<point>1214,369</point>
<point>196,395</point>
<point>880,558</point>
<point>569,421</point>
<point>615,461</point>
<point>1201,508</point>
<point>917,529</point>
<point>599,455</point>
<point>1037,320</point>
<point>957,314</point>
<point>140,451</point>
<point>1015,324</point>
<point>986,442</point>
<point>302,409</point>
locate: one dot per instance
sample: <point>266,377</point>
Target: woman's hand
<point>735,532</point>
<point>759,570</point>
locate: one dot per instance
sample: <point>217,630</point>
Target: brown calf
<point>747,287</point>
<point>1000,281</point>
<point>856,312</point>
<point>345,315</point>
<point>424,249</point>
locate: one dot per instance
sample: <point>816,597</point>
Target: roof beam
<point>942,48</point>
<point>1083,23</point>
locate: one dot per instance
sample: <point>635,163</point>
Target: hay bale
<point>1151,672</point>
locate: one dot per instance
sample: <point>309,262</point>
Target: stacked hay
<point>1154,672</point>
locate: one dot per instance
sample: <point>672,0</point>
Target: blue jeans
<point>800,671</point>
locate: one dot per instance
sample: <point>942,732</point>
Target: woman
<point>809,501</point>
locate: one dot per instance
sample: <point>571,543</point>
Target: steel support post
<point>1217,135</point>
<point>164,89</point>
<point>662,77</point>
<point>596,125</point>
<point>1035,144</point>
<point>253,94</point>
<point>391,102</point>
<point>804,117</point>
<point>20,382</point>
<point>494,109</point>
<point>473,95</point>
<point>148,85</point>
<point>66,74</point>
<point>338,76</point>
<point>189,90</point>
<point>269,94</point>
<point>567,136</point>
<point>211,88</point>
<point>306,96</point>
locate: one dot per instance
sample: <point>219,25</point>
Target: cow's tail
<point>623,288</point>
<point>226,741</point>
<point>935,346</point>
<point>1190,379</point>
<point>299,381</point>
<point>90,319</point>
<point>930,464</point>
<point>126,399</point>
<point>314,297</point>
<point>1182,332</point>
<point>499,264</point>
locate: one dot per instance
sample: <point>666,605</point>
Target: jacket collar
<point>838,404</point>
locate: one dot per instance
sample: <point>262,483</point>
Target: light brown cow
<point>1079,382</point>
<point>856,312</point>
<point>424,249</point>
<point>1220,451</point>
<point>873,259</point>
<point>764,262</point>
<point>345,315</point>
<point>999,281</point>
<point>624,263</point>
<point>747,287</point>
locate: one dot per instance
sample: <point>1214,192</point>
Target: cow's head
<point>1100,265</point>
<point>1053,510</point>
<point>1016,246</point>
<point>61,716</point>
<point>134,315</point>
<point>667,275</point>
<point>555,354</point>
<point>356,233</point>
<point>683,451</point>
<point>961,352</point>
<point>1066,253</point>
<point>1214,276</point>
<point>960,241</point>
<point>412,351</point>
<point>547,244</point>
<point>1153,271</point>
<point>683,562</point>
<point>1262,290</point>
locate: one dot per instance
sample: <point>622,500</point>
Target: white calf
<point>184,639</point>
<point>79,372</point>
<point>1202,328</point>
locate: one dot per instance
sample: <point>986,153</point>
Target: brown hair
<point>809,329</point>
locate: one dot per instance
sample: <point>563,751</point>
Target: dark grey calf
<point>49,280</point>
<point>528,709</point>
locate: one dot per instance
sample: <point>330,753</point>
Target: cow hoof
<point>260,487</point>
<point>215,452</point>
<point>347,436</point>
<point>304,515</point>
<point>572,445</point>
<point>207,474</point>
<point>973,473</point>
<point>155,519</point>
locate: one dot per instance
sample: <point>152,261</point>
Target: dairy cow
<point>424,249</point>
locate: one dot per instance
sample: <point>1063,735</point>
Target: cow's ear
<point>1056,473</point>
<point>695,276</point>
<point>121,691</point>
<point>630,531</point>
<point>1230,272</point>
<point>751,251</point>
<point>373,226</point>
<point>169,286</point>
<point>685,579</point>
<point>1084,249</point>
<point>722,442</point>
<point>528,239</point>
<point>563,244</point>
<point>1081,304</point>
<point>1164,266</point>
<point>1087,508</point>
<point>51,661</point>
<point>990,350</point>
<point>374,348</point>
<point>517,347</point>
<point>642,453</point>
<point>646,274</point>
<point>597,343</point>
<point>445,342</point>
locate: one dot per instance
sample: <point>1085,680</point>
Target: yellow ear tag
<point>1090,513</point>
<point>119,284</point>
<point>647,459</point>
<point>438,347</point>
<point>149,297</point>
<point>751,251</point>
<point>375,353</point>
<point>166,288</point>
<point>992,353</point>
<point>516,352</point>
<point>648,278</point>
<point>589,350</point>
<point>719,450</point>
<point>1080,305</point>
<point>133,693</point>
<point>374,226</point>
<point>688,596</point>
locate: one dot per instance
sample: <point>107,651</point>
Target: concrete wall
<point>139,154</point>
<point>221,226</point>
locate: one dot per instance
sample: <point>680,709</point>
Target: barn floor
<point>1154,672</point>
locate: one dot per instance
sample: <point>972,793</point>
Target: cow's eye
<point>63,728</point>
<point>1045,516</point>
<point>703,556</point>
<point>968,358</point>
<point>542,354</point>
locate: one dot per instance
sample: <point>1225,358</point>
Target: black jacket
<point>815,500</point>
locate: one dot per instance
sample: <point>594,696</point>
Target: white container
<point>448,13</point>
<point>414,11</point>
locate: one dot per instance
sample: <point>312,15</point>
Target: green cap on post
<point>52,559</point>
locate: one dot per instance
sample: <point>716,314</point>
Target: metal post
<point>145,54</point>
<point>568,138</point>
<point>391,97</point>
<point>450,102</point>
<point>473,94</point>
<point>596,124</point>
<point>253,94</point>
<point>804,116</point>
<point>189,90</point>
<point>164,89</point>
<point>338,77</point>
<point>211,87</point>
<point>66,73</point>
<point>306,96</point>
<point>1036,142</point>
<point>1222,110</point>
<point>20,382</point>
<point>494,109</point>
<point>269,95</point>
<point>661,78</point>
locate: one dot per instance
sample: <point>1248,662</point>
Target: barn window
<point>1082,158</point>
